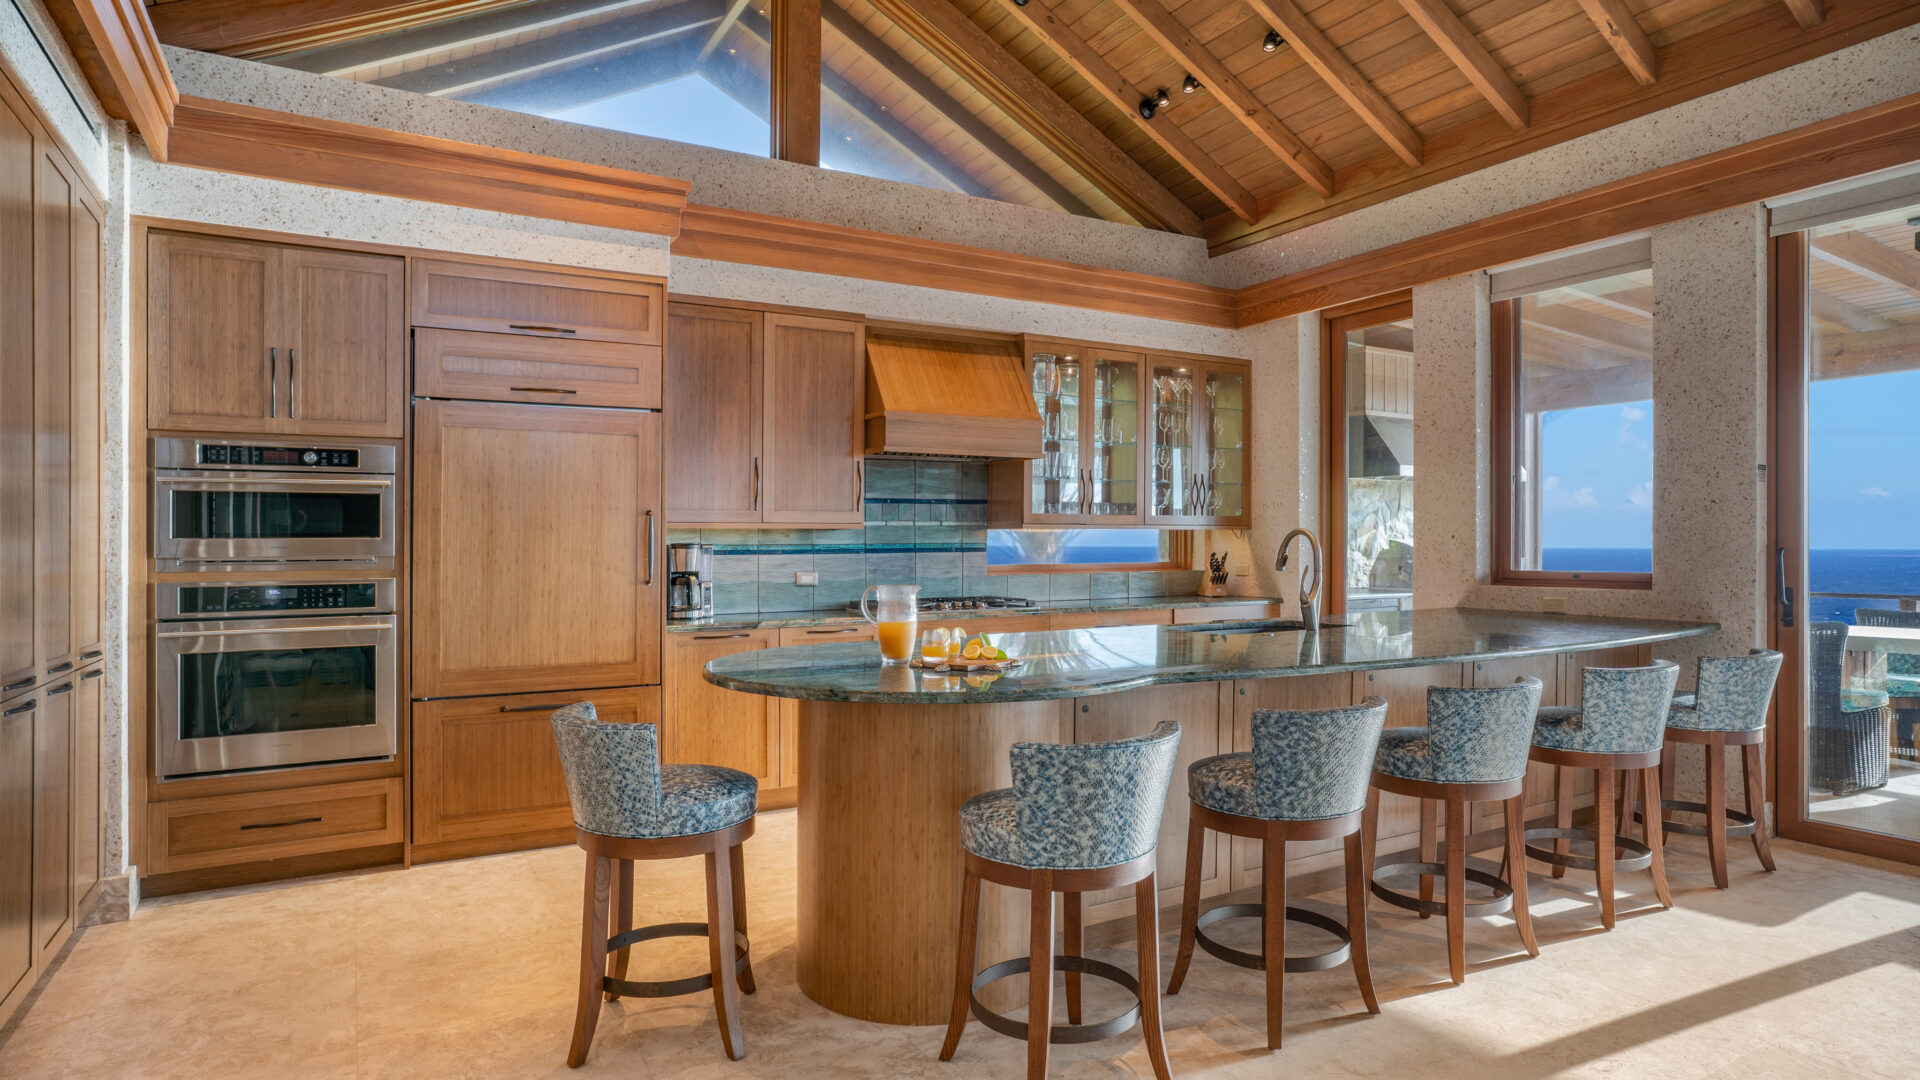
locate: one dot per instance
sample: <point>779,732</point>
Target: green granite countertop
<point>1081,663</point>
<point>826,616</point>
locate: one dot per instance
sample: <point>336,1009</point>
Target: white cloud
<point>1555,495</point>
<point>1876,493</point>
<point>1631,413</point>
<point>1642,496</point>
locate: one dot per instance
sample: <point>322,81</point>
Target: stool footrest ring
<point>1739,824</point>
<point>1320,961</point>
<point>692,984</point>
<point>1628,853</point>
<point>1501,902</point>
<point>1058,1033</point>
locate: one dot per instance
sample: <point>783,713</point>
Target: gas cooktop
<point>964,603</point>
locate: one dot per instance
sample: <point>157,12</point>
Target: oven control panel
<point>214,600</point>
<point>311,457</point>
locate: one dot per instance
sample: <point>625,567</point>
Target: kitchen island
<point>888,754</point>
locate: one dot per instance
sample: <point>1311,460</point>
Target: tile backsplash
<point>925,524</point>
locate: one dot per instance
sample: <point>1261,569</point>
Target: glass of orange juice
<point>896,612</point>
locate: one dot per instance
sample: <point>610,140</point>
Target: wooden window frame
<point>1335,324</point>
<point>1179,557</point>
<point>1507,418</point>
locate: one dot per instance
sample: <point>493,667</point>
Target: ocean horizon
<point>1853,572</point>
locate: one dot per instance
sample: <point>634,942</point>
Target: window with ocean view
<point>1137,548</point>
<point>1577,360</point>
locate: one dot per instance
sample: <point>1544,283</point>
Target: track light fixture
<point>1272,41</point>
<point>1019,3</point>
<point>1153,103</point>
<point>1189,85</point>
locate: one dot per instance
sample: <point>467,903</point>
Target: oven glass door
<point>201,519</point>
<point>266,693</point>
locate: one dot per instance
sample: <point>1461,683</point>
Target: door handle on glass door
<point>1782,589</point>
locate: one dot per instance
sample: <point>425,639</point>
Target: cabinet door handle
<point>718,637</point>
<point>273,383</point>
<point>541,329</point>
<point>842,630</point>
<point>63,688</point>
<point>18,709</point>
<point>535,708</point>
<point>649,547</point>
<point>860,485</point>
<point>28,681</point>
<point>293,390</point>
<point>281,824</point>
<point>94,655</point>
<point>756,483</point>
<point>541,390</point>
<point>58,668</point>
<point>94,674</point>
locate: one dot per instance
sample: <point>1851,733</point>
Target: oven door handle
<point>272,630</point>
<point>214,483</point>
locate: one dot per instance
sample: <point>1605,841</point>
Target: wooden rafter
<point>1869,258</point>
<point>1808,13</point>
<point>971,53</point>
<point>1186,48</point>
<point>1593,329</point>
<point>1615,22</point>
<point>1331,65</point>
<point>1472,58</point>
<point>726,23</point>
<point>555,54</point>
<point>1841,315</point>
<point>253,30</point>
<point>470,35</point>
<point>1040,17</point>
<point>120,56</point>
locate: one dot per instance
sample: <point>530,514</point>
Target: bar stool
<point>1473,748</point>
<point>1306,779</point>
<point>1617,726</point>
<point>627,806</point>
<point>1728,707</point>
<point>1078,817</point>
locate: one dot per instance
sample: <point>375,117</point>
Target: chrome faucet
<point>1309,587</point>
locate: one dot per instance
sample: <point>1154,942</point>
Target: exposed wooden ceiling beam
<point>1181,44</point>
<point>1632,301</point>
<point>977,58</point>
<point>1472,58</point>
<point>1808,13</point>
<point>1849,356</point>
<point>1594,329</point>
<point>471,34</point>
<point>1615,23</point>
<point>1331,65</point>
<point>253,30</point>
<point>561,52</point>
<point>1614,385</point>
<point>1039,16</point>
<point>1870,258</point>
<point>120,56</point>
<point>1851,318</point>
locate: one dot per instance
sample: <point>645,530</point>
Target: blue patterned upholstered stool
<point>1306,779</point>
<point>1728,707</point>
<point>628,806</point>
<point>1473,748</point>
<point>1616,727</point>
<point>1078,817</point>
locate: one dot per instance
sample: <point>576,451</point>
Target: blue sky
<point>688,109</point>
<point>1863,451</point>
<point>1598,475</point>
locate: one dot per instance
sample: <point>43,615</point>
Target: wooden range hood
<point>933,397</point>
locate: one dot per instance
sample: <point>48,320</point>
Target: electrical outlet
<point>1238,568</point>
<point>805,577</point>
<point>1556,605</point>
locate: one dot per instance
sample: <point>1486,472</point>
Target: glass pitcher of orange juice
<point>896,611</point>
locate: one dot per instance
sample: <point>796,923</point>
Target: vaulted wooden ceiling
<point>1040,103</point>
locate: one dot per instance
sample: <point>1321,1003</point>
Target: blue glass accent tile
<point>889,479</point>
<point>894,538</point>
<point>889,569</point>
<point>937,479</point>
<point>973,537</point>
<point>1070,586</point>
<point>839,540</point>
<point>1109,586</point>
<point>937,573</point>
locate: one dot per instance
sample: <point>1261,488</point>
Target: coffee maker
<point>689,580</point>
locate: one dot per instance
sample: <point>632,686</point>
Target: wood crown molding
<point>739,236</point>
<point>120,55</point>
<point>308,150</point>
<point>1877,137</point>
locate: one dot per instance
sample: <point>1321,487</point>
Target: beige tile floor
<point>466,969</point>
<point>1893,809</point>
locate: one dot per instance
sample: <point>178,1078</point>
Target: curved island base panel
<point>882,776</point>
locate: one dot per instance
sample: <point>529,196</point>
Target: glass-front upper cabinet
<point>1196,453</point>
<point>1088,471</point>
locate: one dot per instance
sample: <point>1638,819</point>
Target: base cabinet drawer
<point>486,769</point>
<point>193,834</point>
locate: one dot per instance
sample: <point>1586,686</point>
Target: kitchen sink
<point>1263,626</point>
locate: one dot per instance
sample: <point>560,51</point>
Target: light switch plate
<point>1556,605</point>
<point>806,577</point>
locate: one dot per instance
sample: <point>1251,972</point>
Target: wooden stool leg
<point>1717,812</point>
<point>1357,862</point>
<point>1628,802</point>
<point>593,958</point>
<point>1429,846</point>
<point>1654,832</point>
<point>1146,918</point>
<point>621,902</point>
<point>1562,811</point>
<point>1189,905</point>
<point>1370,839</point>
<point>1754,767</point>
<point>1669,754</point>
<point>963,966</point>
<point>1517,850</point>
<point>1603,834</point>
<point>1075,946</point>
<point>737,860</point>
<point>1040,974</point>
<point>1273,928</point>
<point>720,946</point>
<point>1457,886</point>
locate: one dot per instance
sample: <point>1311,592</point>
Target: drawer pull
<point>535,708</point>
<point>28,681</point>
<point>94,655</point>
<point>18,709</point>
<point>541,329</point>
<point>282,824</point>
<point>58,668</point>
<point>842,630</point>
<point>63,688</point>
<point>94,674</point>
<point>540,390</point>
<point>718,637</point>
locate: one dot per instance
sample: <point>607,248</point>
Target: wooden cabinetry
<point>1197,451</point>
<point>536,558</point>
<point>765,414</point>
<point>713,725</point>
<point>1091,417</point>
<point>17,952</point>
<point>19,657</point>
<point>535,303</point>
<point>89,781</point>
<point>535,371</point>
<point>263,338</point>
<point>486,775</point>
<point>223,830</point>
<point>53,769</point>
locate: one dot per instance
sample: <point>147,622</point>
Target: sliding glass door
<point>1847,530</point>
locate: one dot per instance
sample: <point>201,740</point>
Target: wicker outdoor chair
<point>1903,676</point>
<point>1848,747</point>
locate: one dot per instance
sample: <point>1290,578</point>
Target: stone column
<point>1452,439</point>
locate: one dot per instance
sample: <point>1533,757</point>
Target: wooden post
<point>795,108</point>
